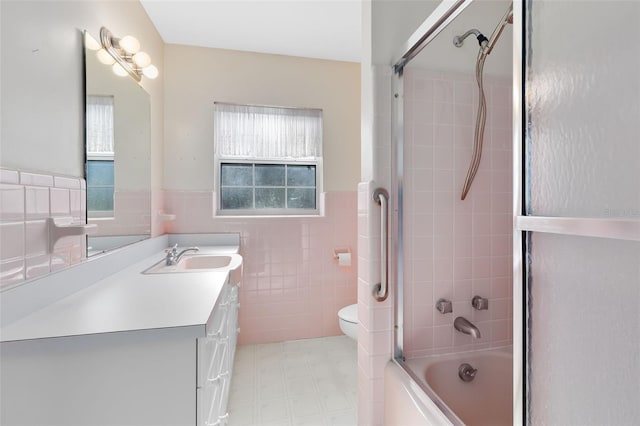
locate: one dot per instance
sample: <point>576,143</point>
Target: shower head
<point>486,44</point>
<point>458,41</point>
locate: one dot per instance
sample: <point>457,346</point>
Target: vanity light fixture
<point>123,54</point>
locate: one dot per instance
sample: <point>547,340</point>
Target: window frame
<point>219,211</point>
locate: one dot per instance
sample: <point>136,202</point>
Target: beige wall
<point>42,80</point>
<point>196,77</point>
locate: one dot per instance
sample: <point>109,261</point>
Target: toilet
<point>348,317</point>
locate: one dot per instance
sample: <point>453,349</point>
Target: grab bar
<point>381,290</point>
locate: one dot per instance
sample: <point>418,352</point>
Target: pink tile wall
<point>292,286</point>
<point>375,328</point>
<point>157,209</point>
<point>375,332</point>
<point>132,215</point>
<point>456,249</point>
<point>452,248</point>
<point>26,201</point>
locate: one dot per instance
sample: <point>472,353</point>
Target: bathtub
<point>429,392</point>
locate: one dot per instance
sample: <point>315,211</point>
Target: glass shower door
<point>581,219</point>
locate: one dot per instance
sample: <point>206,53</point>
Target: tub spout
<point>463,325</point>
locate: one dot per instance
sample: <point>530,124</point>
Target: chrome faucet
<point>463,325</point>
<point>173,256</point>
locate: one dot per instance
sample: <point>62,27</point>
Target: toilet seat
<point>349,313</point>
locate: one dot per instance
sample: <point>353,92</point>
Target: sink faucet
<point>173,256</point>
<point>463,325</point>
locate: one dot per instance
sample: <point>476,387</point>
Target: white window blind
<point>267,133</point>
<point>100,125</point>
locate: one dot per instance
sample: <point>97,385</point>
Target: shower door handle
<point>381,290</point>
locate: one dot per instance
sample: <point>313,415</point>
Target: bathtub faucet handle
<point>480,303</point>
<point>444,306</point>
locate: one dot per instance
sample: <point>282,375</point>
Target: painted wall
<point>196,77</point>
<point>42,80</point>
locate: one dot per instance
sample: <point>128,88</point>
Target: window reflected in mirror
<point>100,156</point>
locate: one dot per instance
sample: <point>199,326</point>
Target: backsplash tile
<point>36,179</point>
<point>26,201</point>
<point>36,238</point>
<point>11,202</point>
<point>65,182</point>
<point>12,272</point>
<point>37,266</point>
<point>60,203</point>
<point>9,176</point>
<point>36,202</point>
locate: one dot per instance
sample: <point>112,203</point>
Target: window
<point>267,186</point>
<point>100,156</point>
<point>100,188</point>
<point>268,160</point>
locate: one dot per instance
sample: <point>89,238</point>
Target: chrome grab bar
<point>381,290</point>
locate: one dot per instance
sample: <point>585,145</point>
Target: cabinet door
<point>143,378</point>
<point>208,398</point>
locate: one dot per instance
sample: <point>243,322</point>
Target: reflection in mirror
<point>117,168</point>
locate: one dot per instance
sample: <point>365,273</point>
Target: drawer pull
<point>222,420</point>
<point>219,377</point>
<point>221,329</point>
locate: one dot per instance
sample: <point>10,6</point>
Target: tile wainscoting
<point>292,286</point>
<point>27,200</point>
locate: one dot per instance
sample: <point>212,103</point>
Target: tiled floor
<point>304,382</point>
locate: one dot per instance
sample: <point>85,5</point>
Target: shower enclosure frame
<point>444,14</point>
<point>524,224</point>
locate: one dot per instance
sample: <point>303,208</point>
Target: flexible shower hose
<point>480,123</point>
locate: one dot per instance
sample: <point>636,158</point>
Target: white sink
<point>202,263</point>
<point>205,262</point>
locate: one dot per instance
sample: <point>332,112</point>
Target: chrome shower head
<point>486,44</point>
<point>458,40</point>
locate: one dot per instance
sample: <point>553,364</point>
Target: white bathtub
<point>440,397</point>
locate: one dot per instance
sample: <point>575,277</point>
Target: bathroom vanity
<point>133,348</point>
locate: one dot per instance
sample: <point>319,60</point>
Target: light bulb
<point>119,71</point>
<point>150,72</point>
<point>142,59</point>
<point>90,42</point>
<point>105,57</point>
<point>129,44</point>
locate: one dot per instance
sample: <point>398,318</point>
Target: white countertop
<point>128,301</point>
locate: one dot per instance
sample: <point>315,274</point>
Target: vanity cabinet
<point>215,361</point>
<point>157,376</point>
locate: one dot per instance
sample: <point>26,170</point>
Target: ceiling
<point>323,29</point>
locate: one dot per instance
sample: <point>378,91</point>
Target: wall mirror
<point>118,157</point>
